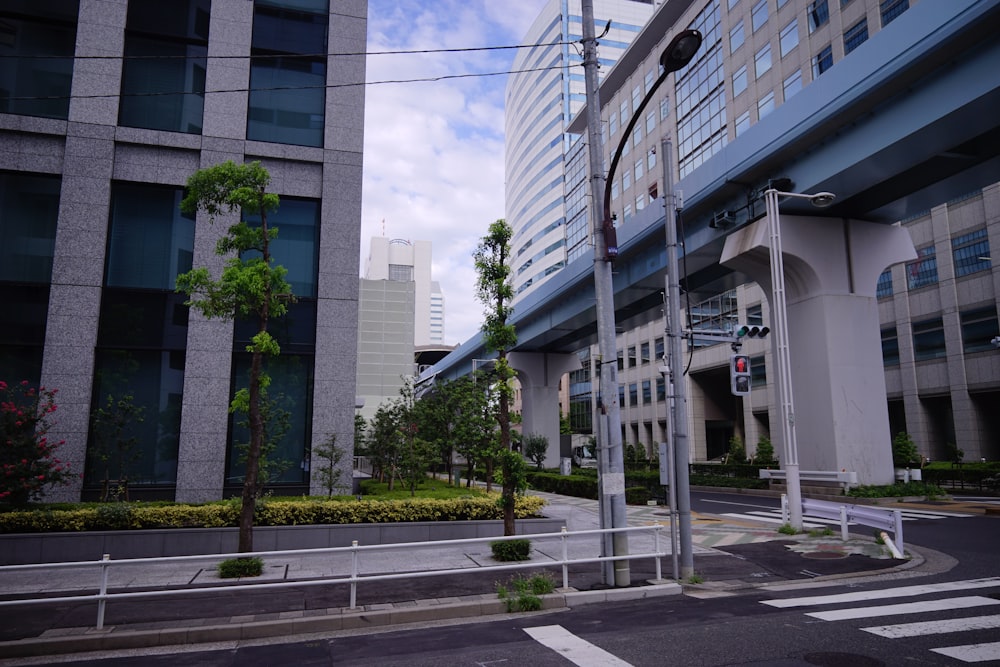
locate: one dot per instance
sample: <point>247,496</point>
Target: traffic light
<point>751,331</point>
<point>739,374</point>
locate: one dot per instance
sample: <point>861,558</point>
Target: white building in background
<point>396,259</point>
<point>540,102</point>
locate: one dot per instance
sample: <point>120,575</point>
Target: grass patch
<point>821,532</point>
<point>522,593</point>
<point>788,529</point>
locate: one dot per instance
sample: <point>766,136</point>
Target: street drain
<point>839,659</point>
<point>824,555</point>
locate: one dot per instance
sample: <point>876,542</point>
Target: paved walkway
<point>728,556</point>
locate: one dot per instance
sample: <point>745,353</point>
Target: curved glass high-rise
<point>542,95</point>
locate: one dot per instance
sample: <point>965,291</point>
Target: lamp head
<point>822,199</point>
<point>681,50</point>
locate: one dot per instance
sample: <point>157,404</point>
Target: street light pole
<point>779,324</point>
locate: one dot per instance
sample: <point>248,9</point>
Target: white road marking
<point>574,649</point>
<point>899,592</point>
<point>905,608</point>
<point>935,627</point>
<point>972,652</point>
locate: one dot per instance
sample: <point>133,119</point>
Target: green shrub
<point>637,495</point>
<point>233,568</point>
<point>511,550</point>
<point>115,516</point>
<point>896,490</point>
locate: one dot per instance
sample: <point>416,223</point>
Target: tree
<point>904,452</point>
<point>329,470</point>
<point>115,442</point>
<point>765,451</point>
<point>250,287</point>
<point>27,457</point>
<point>277,422</point>
<point>474,427</point>
<point>384,443</point>
<point>535,448</point>
<point>496,292</point>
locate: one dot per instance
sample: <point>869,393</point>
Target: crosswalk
<point>773,516</point>
<point>945,598</point>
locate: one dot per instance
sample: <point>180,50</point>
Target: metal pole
<point>779,320</point>
<point>613,477</point>
<point>674,333</point>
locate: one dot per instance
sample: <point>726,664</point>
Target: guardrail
<point>847,479</point>
<point>846,514</point>
<point>356,551</point>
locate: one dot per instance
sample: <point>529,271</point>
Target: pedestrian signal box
<point>739,374</point>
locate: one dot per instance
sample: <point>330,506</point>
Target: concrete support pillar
<point>539,374</point>
<point>831,270</point>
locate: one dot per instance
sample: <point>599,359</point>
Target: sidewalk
<point>728,557</point>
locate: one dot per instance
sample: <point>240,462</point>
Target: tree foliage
<point>115,442</point>
<point>495,290</point>
<point>536,446</point>
<point>28,464</point>
<point>329,471</point>
<point>250,287</point>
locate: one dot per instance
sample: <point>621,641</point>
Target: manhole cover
<point>838,659</point>
<point>824,555</point>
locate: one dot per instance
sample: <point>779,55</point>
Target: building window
<point>37,44</point>
<point>638,169</point>
<point>818,14</point>
<point>664,107</point>
<point>742,123</point>
<point>29,212</point>
<point>855,36</point>
<point>150,241</point>
<point>658,348</point>
<point>625,112</point>
<point>633,394</point>
<point>621,395</point>
<point>890,9</point>
<point>288,74</point>
<point>650,122</point>
<point>789,38</point>
<point>614,189</point>
<point>971,253</point>
<point>736,37</point>
<point>928,340</point>
<point>922,272</point>
<point>758,371</point>
<point>890,347</point>
<point>297,245</point>
<point>644,353</point>
<point>762,60</point>
<point>792,84</point>
<point>163,76</point>
<point>765,105</point>
<point>626,180</point>
<point>661,390</point>
<point>647,392</point>
<point>740,80</point>
<point>758,15</point>
<point>884,287</point>
<point>612,123</point>
<point>650,159</point>
<point>822,61</point>
<point>979,327</point>
<point>631,356</point>
<point>402,273</point>
<point>755,315</point>
<point>700,94</point>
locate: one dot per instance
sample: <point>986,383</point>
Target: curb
<point>80,640</point>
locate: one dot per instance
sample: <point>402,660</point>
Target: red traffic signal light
<point>739,374</point>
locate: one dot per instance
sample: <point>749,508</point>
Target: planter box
<point>25,548</point>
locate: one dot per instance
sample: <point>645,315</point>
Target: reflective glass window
<point>150,241</point>
<point>884,287</point>
<point>792,84</point>
<point>923,271</point>
<point>765,105</point>
<point>822,61</point>
<point>890,9</point>
<point>818,13</point>
<point>789,37</point>
<point>758,15</point>
<point>890,347</point>
<point>163,77</point>
<point>855,36</point>
<point>739,80</point>
<point>736,37</point>
<point>762,60</point>
<point>29,212</point>
<point>36,56</point>
<point>287,75</point>
<point>971,253</point>
<point>979,328</point>
<point>297,245</point>
<point>928,340</point>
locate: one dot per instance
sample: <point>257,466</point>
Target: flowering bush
<point>27,461</point>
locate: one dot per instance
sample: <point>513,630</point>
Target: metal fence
<point>356,554</point>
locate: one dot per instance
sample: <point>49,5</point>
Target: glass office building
<point>105,112</point>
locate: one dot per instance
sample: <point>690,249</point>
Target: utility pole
<point>612,475</point>
<point>678,423</point>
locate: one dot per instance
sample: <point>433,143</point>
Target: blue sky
<point>433,161</point>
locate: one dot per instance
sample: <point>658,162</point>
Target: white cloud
<point>433,161</point>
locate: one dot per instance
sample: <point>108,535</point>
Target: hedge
<point>136,516</point>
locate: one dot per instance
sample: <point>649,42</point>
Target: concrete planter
<point>25,548</point>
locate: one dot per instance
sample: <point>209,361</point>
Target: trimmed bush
<point>137,516</point>
<point>511,550</point>
<point>241,567</point>
<point>637,495</point>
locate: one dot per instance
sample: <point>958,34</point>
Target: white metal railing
<point>355,551</point>
<point>847,513</point>
<point>847,479</point>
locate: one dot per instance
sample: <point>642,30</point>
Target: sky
<point>434,151</point>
